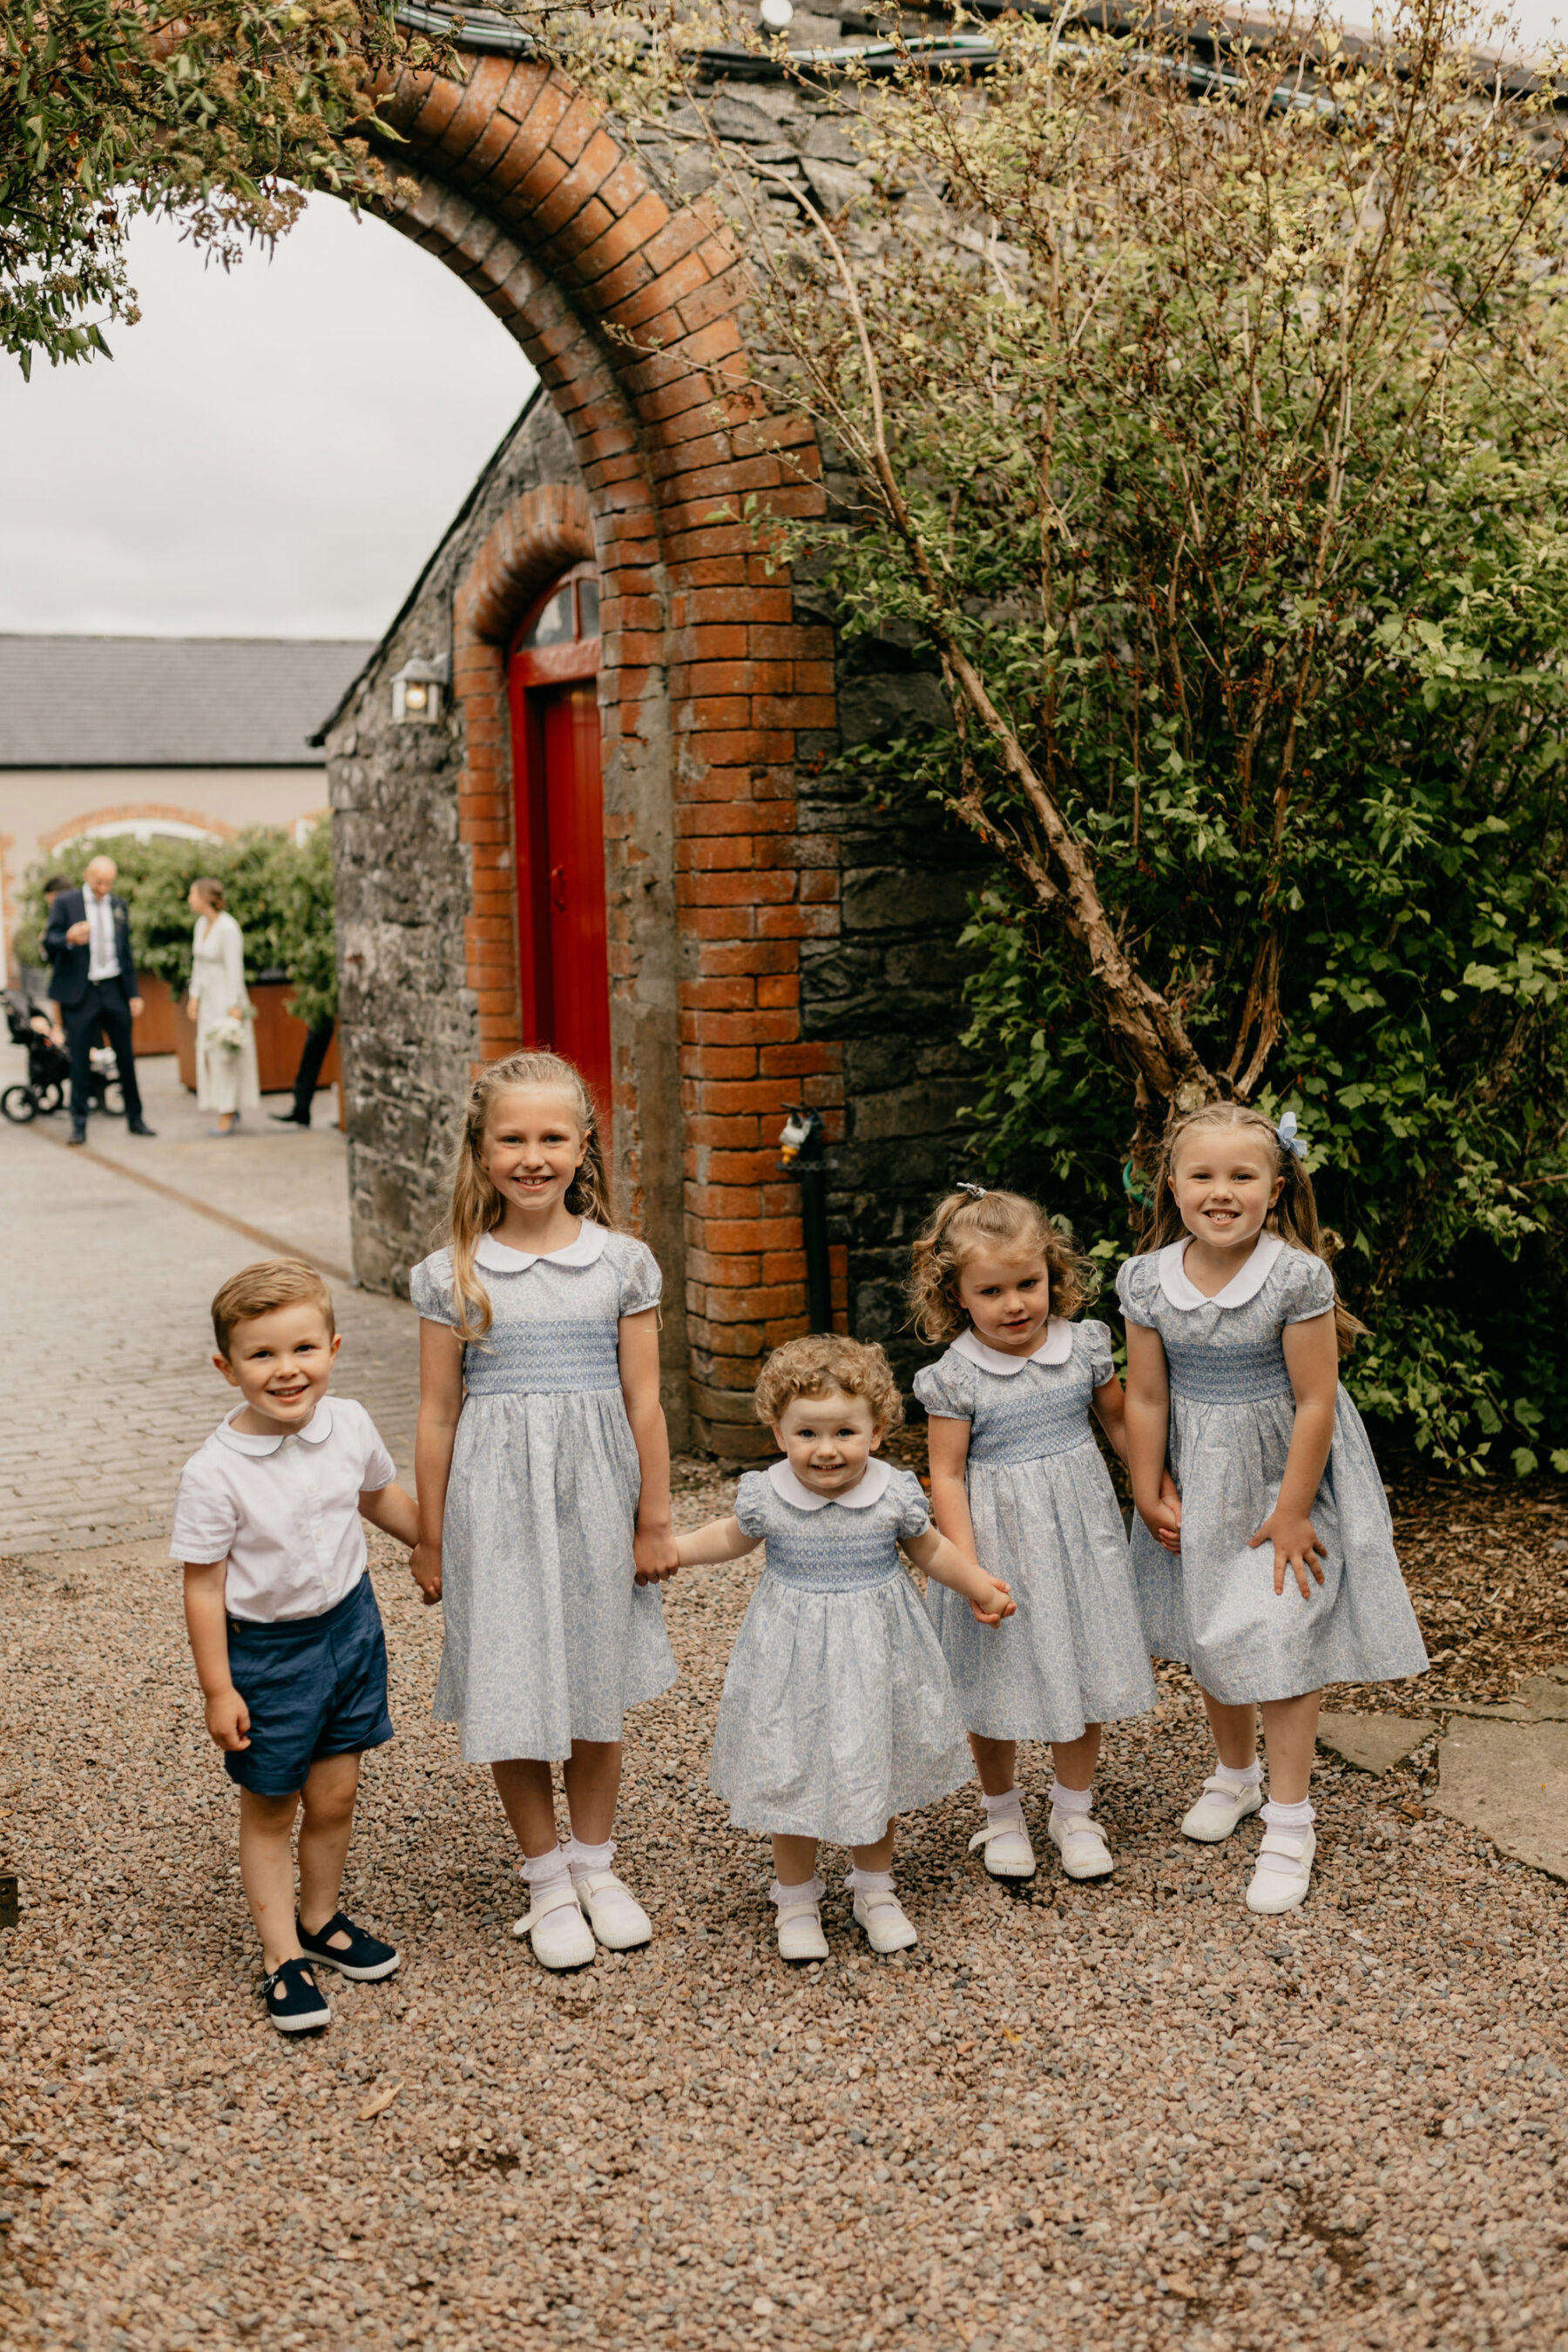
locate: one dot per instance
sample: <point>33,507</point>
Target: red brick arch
<point>541,534</point>
<point>527,192</point>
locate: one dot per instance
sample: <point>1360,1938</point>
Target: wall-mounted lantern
<point>418,690</point>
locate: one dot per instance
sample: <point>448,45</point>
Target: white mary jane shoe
<point>1282,1890</point>
<point>882,1917</point>
<point>554,1925</point>
<point>1081,1842</point>
<point>800,1929</point>
<point>1008,1851</point>
<point>1221,1809</point>
<point>614,1913</point>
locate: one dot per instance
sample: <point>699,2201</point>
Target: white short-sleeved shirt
<point>283,1511</point>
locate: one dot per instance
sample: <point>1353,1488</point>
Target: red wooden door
<point>562,932</point>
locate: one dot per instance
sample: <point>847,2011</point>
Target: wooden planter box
<point>156,1029</point>
<point>280,1038</point>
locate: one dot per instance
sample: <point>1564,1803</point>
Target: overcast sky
<point>269,452</point>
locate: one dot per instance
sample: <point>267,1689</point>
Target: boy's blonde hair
<point>824,1361</point>
<point>969,1221</point>
<point>476,1207</point>
<point>270,1283</point>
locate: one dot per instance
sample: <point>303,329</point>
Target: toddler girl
<point>543,1473</point>
<point>1287,1577</point>
<point>1017,1483</point>
<point>837,1713</point>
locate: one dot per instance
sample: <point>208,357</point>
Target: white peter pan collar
<point>1054,1348</point>
<point>866,1490</point>
<point>318,1427</point>
<point>1185,1293</point>
<point>496,1257</point>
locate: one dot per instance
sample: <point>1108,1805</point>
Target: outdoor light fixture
<point>777,15</point>
<point>417,691</point>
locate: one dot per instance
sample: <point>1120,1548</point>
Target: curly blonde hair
<point>476,1207</point>
<point>1294,1217</point>
<point>824,1361</point>
<point>968,1222</point>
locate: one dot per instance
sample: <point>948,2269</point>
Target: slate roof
<point>168,702</point>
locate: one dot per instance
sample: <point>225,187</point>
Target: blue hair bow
<point>1288,1138</point>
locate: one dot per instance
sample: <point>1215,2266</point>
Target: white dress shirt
<point>102,956</point>
<point>283,1511</point>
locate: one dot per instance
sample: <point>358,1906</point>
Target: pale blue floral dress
<point>1048,1522</point>
<point>1232,1417</point>
<point>548,1637</point>
<point>837,1713</point>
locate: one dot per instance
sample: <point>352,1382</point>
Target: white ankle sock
<point>1071,1800</point>
<point>811,1890</point>
<point>1275,1816</point>
<point>868,1882</point>
<point>541,1869</point>
<point>1007,1807</point>
<point>581,1859</point>
<point>1237,1777</point>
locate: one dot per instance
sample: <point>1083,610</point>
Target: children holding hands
<point>1262,1552</point>
<point>282,1619</point>
<point>837,1712</point>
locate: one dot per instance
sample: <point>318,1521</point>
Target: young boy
<point>282,1618</point>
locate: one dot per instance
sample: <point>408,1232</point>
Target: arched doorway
<point>561,930</point>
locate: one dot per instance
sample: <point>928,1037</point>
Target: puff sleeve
<point>1095,1343</point>
<point>752,1504</point>
<point>377,1467</point>
<point>638,1276</point>
<point>430,1288</point>
<point>1307,1286</point>
<point>908,1499</point>
<point>1136,1282</point>
<point>947,1388</point>
<point>206,1517</point>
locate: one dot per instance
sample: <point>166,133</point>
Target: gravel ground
<point>1123,2115</point>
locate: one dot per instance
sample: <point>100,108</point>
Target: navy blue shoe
<point>363,1958</point>
<point>294,2001</point>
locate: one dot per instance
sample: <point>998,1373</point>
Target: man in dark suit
<point>88,943</point>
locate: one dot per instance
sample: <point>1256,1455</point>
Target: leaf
<point>380,2103</point>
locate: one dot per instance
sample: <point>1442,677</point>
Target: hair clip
<point>1288,1138</point>
<point>975,1191</point>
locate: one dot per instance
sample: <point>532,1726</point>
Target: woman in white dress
<point>226,1079</point>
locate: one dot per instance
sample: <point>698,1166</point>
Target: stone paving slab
<point>106,1383</point>
<point>1373,1743</point>
<point>1510,1781</point>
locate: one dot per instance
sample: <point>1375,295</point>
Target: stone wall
<point>404,889</point>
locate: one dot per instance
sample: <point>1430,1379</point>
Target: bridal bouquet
<point>229,1034</point>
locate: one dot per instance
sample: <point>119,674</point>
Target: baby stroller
<point>49,1069</point>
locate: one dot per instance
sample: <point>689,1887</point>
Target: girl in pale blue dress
<point>1018,1484</point>
<point>837,1712</point>
<point>1286,1576</point>
<point>543,1476</point>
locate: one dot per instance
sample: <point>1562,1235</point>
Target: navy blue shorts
<point>315,1686</point>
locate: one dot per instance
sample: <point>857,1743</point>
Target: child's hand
<point>228,1720</point>
<point>1296,1548</point>
<point>1164,1518</point>
<point>995,1604</point>
<point>656,1553</point>
<point>424,1567</point>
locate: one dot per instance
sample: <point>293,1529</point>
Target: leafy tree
<point>1207,425</point>
<point>279,891</point>
<point>217,119</point>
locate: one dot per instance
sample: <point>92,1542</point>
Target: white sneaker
<point>1081,1842</point>
<point>1281,1890</point>
<point>614,1913</point>
<point>800,1929</point>
<point>560,1936</point>
<point>882,1916</point>
<point>1220,1810</point>
<point>1008,1851</point>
